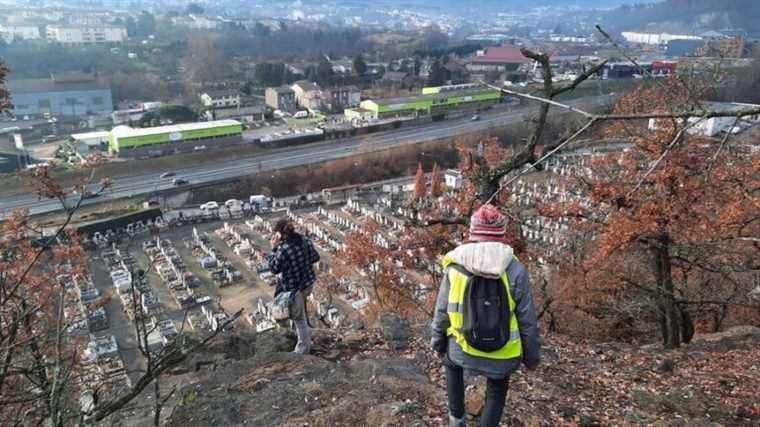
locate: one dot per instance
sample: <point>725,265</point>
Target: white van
<point>260,201</point>
<point>301,114</point>
<point>209,206</point>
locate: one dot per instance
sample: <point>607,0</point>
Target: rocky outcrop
<point>273,389</point>
<point>388,377</point>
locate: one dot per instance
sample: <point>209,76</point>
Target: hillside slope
<point>361,378</point>
<point>686,16</point>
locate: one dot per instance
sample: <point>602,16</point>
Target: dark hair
<point>286,229</point>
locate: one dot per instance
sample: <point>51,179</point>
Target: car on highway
<point>209,206</point>
<point>87,194</point>
<point>475,118</point>
<point>179,181</point>
<point>167,174</point>
<point>11,129</point>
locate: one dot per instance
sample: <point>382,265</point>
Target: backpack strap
<point>460,269</point>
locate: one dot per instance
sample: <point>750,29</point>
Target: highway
<point>145,183</point>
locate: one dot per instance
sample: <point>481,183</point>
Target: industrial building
<point>68,95</point>
<point>497,59</point>
<point>124,141</point>
<point>433,101</point>
<point>655,38</point>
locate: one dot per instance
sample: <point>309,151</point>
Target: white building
<point>221,99</point>
<point>655,38</point>
<point>86,34</point>
<point>716,125</point>
<point>15,32</point>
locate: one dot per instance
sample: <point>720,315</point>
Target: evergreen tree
<point>324,71</point>
<point>360,67</point>
<point>420,186</point>
<point>437,75</point>
<point>435,181</point>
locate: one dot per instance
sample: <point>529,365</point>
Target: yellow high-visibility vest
<point>457,288</point>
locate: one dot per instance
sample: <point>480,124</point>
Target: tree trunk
<point>671,316</point>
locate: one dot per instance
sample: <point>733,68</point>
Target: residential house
<point>308,94</point>
<point>229,98</point>
<point>375,68</point>
<point>281,98</point>
<point>338,98</point>
<point>342,66</point>
<point>397,79</point>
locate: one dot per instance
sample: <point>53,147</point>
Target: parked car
<point>167,174</point>
<point>208,206</point>
<point>233,202</point>
<point>179,181</point>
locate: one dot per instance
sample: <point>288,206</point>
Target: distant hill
<point>687,16</point>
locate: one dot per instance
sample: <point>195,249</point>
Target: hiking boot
<point>302,351</point>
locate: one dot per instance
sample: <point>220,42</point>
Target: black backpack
<point>486,314</point>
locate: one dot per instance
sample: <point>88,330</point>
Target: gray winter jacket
<point>489,259</point>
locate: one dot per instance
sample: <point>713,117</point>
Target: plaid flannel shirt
<point>293,259</point>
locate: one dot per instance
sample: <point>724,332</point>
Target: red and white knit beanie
<point>488,223</point>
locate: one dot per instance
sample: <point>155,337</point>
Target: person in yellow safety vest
<point>485,254</point>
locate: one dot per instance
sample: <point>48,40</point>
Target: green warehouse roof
<point>128,132</point>
<point>425,101</point>
<point>125,136</point>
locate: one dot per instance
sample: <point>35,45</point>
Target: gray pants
<point>298,316</point>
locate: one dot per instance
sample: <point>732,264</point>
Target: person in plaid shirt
<point>292,257</point>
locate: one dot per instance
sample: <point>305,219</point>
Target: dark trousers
<point>496,394</point>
